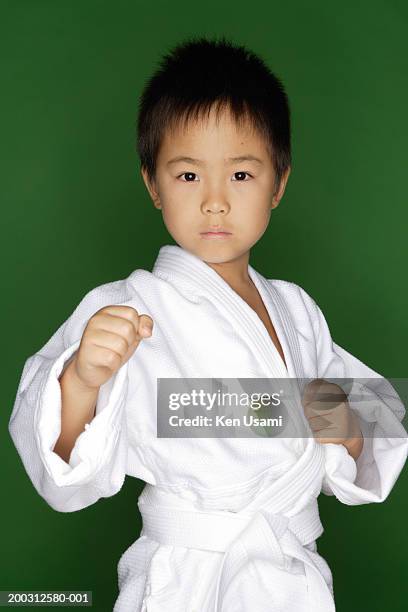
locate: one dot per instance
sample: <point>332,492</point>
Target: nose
<point>215,206</point>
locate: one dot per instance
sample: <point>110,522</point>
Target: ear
<point>279,194</point>
<point>151,188</point>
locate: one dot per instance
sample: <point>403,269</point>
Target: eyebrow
<point>199,162</point>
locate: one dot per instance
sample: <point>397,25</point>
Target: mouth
<point>217,234</point>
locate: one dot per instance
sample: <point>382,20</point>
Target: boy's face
<point>212,192</point>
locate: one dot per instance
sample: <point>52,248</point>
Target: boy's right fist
<point>110,338</point>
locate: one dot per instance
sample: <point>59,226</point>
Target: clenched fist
<point>110,338</point>
<point>330,417</point>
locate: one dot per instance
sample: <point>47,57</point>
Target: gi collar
<point>185,270</point>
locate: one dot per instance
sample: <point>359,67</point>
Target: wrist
<point>354,446</point>
<point>71,379</point>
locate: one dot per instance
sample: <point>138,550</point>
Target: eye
<point>189,174</point>
<point>242,173</point>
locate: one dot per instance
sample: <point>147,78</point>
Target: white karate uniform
<point>229,524</point>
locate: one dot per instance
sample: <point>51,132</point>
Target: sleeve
<point>380,411</point>
<point>97,464</point>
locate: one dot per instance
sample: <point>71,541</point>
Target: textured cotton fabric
<point>230,524</point>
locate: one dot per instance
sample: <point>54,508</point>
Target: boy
<point>229,524</point>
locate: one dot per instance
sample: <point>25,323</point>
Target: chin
<point>219,254</point>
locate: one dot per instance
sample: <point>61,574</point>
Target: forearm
<point>78,405</point>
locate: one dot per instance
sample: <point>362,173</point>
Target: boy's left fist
<point>330,417</point>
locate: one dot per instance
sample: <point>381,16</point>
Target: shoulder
<point>111,292</point>
<point>124,292</point>
<point>295,297</point>
<point>303,309</point>
<point>119,290</point>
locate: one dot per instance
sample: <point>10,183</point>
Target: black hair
<point>199,74</point>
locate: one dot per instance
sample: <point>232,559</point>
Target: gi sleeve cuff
<point>96,444</point>
<point>373,474</point>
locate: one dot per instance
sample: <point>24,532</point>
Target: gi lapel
<point>189,273</point>
<point>186,270</point>
<point>282,322</point>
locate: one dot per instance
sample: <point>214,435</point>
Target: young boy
<point>229,524</point>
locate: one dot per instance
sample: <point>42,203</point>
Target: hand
<point>328,412</point>
<point>110,338</point>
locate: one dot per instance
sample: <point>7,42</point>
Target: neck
<point>234,272</point>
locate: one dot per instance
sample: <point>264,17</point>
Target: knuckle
<point>121,344</point>
<point>126,329</point>
<point>129,312</point>
<point>90,323</point>
<point>135,318</point>
<point>102,311</point>
<point>133,312</point>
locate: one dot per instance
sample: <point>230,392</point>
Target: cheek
<point>262,221</point>
<point>255,212</point>
<point>177,213</point>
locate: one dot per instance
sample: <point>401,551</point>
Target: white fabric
<point>202,328</point>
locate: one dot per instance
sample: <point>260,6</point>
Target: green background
<point>75,214</point>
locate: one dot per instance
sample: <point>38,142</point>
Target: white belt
<point>216,530</point>
<point>261,529</point>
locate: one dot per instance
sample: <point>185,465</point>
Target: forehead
<point>216,133</point>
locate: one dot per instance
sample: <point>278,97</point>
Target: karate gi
<point>229,524</point>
